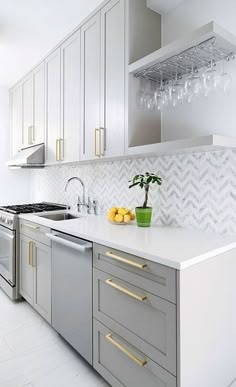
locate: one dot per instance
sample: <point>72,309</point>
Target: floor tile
<point>32,354</point>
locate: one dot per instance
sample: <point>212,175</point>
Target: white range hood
<point>29,157</point>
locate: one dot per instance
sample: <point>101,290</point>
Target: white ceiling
<point>163,6</point>
<point>30,28</point>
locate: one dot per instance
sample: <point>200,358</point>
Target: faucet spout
<point>81,182</point>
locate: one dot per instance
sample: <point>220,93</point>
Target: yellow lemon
<point>132,215</point>
<point>123,211</point>
<point>111,216</point>
<point>113,210</point>
<point>127,218</point>
<point>118,218</point>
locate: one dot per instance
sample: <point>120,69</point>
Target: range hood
<point>29,157</point>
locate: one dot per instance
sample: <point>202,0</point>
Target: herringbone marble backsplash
<point>198,190</point>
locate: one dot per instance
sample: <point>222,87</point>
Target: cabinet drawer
<point>121,364</point>
<point>35,231</point>
<point>155,278</point>
<point>145,320</point>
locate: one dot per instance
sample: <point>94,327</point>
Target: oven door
<point>8,255</point>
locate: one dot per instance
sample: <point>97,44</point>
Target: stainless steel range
<point>9,241</point>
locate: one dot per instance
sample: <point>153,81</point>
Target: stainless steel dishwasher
<point>72,291</point>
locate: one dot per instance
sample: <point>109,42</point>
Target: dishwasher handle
<point>72,245</point>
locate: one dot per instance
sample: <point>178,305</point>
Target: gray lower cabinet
<point>134,320</point>
<point>154,277</point>
<point>35,275</point>
<point>147,321</point>
<point>121,364</point>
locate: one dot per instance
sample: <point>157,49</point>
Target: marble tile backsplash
<point>198,190</point>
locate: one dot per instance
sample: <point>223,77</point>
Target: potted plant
<point>144,213</point>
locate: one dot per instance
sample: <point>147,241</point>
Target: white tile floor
<point>32,354</point>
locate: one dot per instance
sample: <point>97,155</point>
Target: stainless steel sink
<point>58,217</point>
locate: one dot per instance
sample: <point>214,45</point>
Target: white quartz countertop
<point>175,247</point>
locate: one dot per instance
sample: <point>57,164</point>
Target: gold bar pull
<point>30,253</point>
<point>58,150</point>
<point>31,226</point>
<point>141,363</point>
<point>126,261</point>
<point>102,141</point>
<point>125,291</point>
<point>61,147</point>
<point>96,152</point>
<point>30,135</point>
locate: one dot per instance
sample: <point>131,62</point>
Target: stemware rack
<point>209,44</point>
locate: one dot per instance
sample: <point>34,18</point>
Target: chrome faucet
<point>90,205</point>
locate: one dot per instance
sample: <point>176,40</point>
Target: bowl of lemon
<point>120,215</point>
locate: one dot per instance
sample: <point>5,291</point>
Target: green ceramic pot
<point>143,216</point>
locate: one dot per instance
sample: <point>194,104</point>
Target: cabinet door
<point>38,130</point>
<point>27,90</point>
<point>90,85</point>
<point>112,79</point>
<point>16,119</point>
<point>42,280</point>
<point>26,269</point>
<point>70,97</point>
<point>53,106</point>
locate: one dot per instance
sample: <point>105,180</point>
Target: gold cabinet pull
<point>126,291</point>
<point>141,363</point>
<point>31,226</point>
<point>102,141</point>
<point>61,146</point>
<point>126,261</point>
<point>58,150</point>
<point>30,135</point>
<point>96,148</point>
<point>31,253</point>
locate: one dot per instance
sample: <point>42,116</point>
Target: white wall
<point>206,115</point>
<point>14,184</point>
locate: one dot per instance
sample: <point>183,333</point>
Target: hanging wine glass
<point>193,83</point>
<point>224,79</point>
<point>176,90</point>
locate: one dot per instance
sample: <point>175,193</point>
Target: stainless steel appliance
<point>9,242</point>
<point>29,157</point>
<point>72,291</point>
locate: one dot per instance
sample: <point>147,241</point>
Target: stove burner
<point>30,208</point>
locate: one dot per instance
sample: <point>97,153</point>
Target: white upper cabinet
<point>38,130</point>
<point>112,121</point>
<point>70,98</point>
<point>90,86</point>
<point>27,90</point>
<point>33,90</point>
<point>16,118</point>
<point>53,107</point>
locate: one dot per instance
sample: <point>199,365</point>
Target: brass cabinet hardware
<point>30,135</point>
<point>59,141</point>
<point>102,141</point>
<point>57,150</point>
<point>125,291</point>
<point>61,153</point>
<point>126,261</point>
<point>97,143</point>
<point>141,363</point>
<point>31,253</point>
<point>31,226</point>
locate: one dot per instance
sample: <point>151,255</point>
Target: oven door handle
<point>8,236</point>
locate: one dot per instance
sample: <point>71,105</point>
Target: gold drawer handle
<point>31,226</point>
<point>58,150</point>
<point>127,261</point>
<point>126,291</point>
<point>141,363</point>
<point>97,153</point>
<point>31,253</point>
